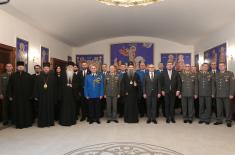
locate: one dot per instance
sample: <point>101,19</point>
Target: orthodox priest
<point>69,96</point>
<point>45,94</point>
<point>130,87</point>
<point>20,94</point>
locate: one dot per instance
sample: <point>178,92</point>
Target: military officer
<point>222,90</point>
<point>205,93</point>
<point>112,93</point>
<point>188,93</point>
<point>4,78</point>
<point>94,92</point>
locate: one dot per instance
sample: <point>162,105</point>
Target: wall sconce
<point>34,56</point>
<point>231,53</point>
<point>35,60</point>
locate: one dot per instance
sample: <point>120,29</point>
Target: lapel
<point>173,74</point>
<point>167,76</point>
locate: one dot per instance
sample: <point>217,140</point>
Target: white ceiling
<point>79,22</point>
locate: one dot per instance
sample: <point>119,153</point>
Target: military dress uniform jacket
<point>4,78</point>
<point>112,85</point>
<point>223,84</point>
<point>204,84</point>
<point>189,84</point>
<point>94,86</point>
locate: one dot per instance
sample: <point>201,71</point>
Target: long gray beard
<point>130,73</point>
<point>70,75</point>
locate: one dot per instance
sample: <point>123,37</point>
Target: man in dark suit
<point>104,72</point>
<point>37,70</point>
<point>171,86</point>
<point>151,91</point>
<point>213,72</point>
<point>121,99</point>
<point>161,100</point>
<point>84,105</point>
<point>142,102</point>
<point>78,106</point>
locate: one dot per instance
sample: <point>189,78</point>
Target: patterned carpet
<point>123,149</point>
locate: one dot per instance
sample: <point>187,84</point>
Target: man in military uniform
<point>94,92</point>
<point>4,78</point>
<point>188,93</point>
<point>112,93</point>
<point>205,93</point>
<point>223,90</point>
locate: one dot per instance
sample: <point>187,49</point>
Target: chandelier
<point>129,3</point>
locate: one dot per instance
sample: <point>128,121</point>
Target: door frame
<point>12,51</point>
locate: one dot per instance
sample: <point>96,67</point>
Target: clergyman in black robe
<point>130,87</point>
<point>20,94</point>
<point>69,97</point>
<point>45,93</point>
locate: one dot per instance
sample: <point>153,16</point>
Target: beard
<point>130,73</point>
<point>69,75</point>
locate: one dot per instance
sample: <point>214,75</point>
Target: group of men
<point>115,92</point>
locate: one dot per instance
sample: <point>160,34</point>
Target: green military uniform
<point>205,94</point>
<point>222,88</point>
<point>189,89</point>
<point>112,90</point>
<point>4,78</point>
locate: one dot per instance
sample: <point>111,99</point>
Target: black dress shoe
<point>148,121</point>
<point>5,123</point>
<point>82,119</point>
<point>116,121</point>
<point>90,122</point>
<point>98,122</point>
<point>190,122</point>
<point>108,121</point>
<point>200,122</point>
<point>173,120</point>
<point>217,123</point>
<point>185,121</point>
<point>167,121</point>
<point>229,125</point>
<point>207,123</point>
<point>154,121</point>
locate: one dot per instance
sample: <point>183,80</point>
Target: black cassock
<point>130,85</point>
<point>20,89</point>
<point>68,100</point>
<point>45,89</point>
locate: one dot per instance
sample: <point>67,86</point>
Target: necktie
<point>170,73</point>
<point>152,75</point>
